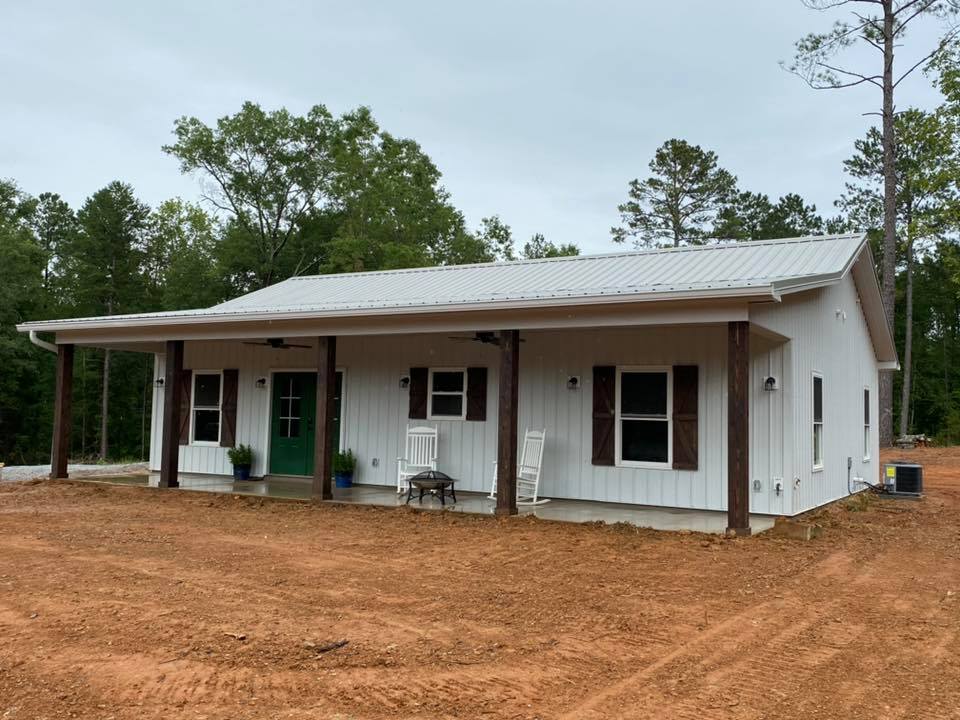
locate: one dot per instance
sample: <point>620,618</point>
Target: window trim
<point>868,417</point>
<point>817,467</point>
<point>618,419</point>
<point>462,393</point>
<point>194,408</point>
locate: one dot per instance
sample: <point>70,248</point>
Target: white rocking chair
<point>420,455</point>
<point>528,470</point>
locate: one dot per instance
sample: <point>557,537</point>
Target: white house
<point>738,377</point>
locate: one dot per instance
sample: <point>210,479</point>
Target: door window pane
<point>644,440</point>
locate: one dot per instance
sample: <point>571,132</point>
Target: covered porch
<point>559,510</point>
<point>531,385</point>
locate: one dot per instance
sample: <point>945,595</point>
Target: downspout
<point>42,343</point>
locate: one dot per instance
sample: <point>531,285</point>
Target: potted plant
<point>242,458</point>
<point>344,463</point>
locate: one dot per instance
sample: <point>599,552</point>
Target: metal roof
<point>768,267</point>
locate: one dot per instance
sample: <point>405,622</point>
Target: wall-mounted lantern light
<point>404,382</point>
<point>158,382</point>
<point>573,382</point>
<point>261,383</point>
<point>770,383</point>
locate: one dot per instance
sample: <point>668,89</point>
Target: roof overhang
<point>871,302</point>
<point>131,333</point>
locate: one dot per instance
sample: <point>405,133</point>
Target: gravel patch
<point>16,473</point>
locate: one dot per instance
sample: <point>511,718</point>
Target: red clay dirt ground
<point>120,602</point>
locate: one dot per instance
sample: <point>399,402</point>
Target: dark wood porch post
<point>62,412</point>
<point>170,444</point>
<point>323,440</point>
<point>507,422</point>
<point>738,428</point>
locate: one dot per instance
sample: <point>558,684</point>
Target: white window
<point>205,403</point>
<point>644,418</point>
<point>866,423</point>
<point>447,394</point>
<point>817,422</point>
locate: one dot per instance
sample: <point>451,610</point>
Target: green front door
<point>292,420</point>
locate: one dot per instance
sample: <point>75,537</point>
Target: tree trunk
<point>907,346</point>
<point>889,265</point>
<point>105,406</point>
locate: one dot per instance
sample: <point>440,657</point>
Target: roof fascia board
<point>623,315</point>
<point>871,305</point>
<point>759,292</point>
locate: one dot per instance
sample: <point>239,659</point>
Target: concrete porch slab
<point>577,511</point>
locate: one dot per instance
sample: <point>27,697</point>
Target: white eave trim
<point>761,292</point>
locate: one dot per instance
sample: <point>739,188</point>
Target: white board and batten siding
<point>829,337</point>
<point>375,408</point>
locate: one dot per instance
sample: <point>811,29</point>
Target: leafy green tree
<point>496,237</point>
<point>25,395</point>
<point>751,216</point>
<point>103,263</point>
<point>180,267</point>
<point>266,170</point>
<point>680,200</point>
<point>878,25</point>
<point>927,198</point>
<point>540,247</point>
<point>54,224</point>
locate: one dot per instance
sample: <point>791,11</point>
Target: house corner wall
<point>828,336</point>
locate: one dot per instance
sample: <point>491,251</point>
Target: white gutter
<point>42,343</point>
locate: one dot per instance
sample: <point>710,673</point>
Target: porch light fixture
<point>158,382</point>
<point>261,383</point>
<point>770,383</point>
<point>573,382</point>
<point>404,382</point>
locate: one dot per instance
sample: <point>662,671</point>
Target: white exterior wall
<point>838,347</point>
<point>375,408</point>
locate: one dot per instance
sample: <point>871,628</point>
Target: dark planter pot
<point>241,472</point>
<point>343,479</point>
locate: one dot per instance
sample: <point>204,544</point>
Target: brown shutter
<point>228,409</point>
<point>418,393</point>
<point>604,414</point>
<point>186,391</point>
<point>477,393</point>
<point>685,389</point>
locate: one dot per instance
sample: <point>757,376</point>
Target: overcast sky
<point>540,112</point>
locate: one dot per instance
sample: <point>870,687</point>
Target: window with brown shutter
<point>685,421</point>
<point>228,408</point>
<point>419,378</point>
<point>477,394</point>
<point>604,414</point>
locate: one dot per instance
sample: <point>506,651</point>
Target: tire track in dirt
<point>733,645</point>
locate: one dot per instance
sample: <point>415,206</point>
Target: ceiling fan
<point>277,344</point>
<point>486,337</point>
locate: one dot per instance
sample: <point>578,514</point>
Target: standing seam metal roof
<point>710,267</point>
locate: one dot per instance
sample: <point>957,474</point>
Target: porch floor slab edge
<point>562,510</point>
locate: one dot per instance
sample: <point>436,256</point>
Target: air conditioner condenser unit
<point>904,479</point>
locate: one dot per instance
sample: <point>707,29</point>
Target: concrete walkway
<point>14,473</point>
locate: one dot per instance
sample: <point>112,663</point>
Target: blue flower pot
<point>343,480</point>
<point>241,472</point>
